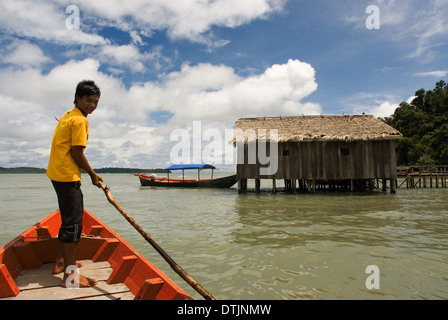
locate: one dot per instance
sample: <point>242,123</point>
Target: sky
<point>178,74</point>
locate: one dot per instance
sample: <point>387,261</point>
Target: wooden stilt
<point>293,186</point>
<point>370,184</point>
<point>242,185</point>
<point>393,185</point>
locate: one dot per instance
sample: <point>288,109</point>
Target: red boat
<point>154,181</point>
<point>121,271</point>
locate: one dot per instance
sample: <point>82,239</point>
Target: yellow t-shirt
<point>72,130</point>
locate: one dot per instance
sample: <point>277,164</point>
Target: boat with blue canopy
<point>154,181</point>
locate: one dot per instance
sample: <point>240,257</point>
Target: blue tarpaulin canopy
<point>189,166</point>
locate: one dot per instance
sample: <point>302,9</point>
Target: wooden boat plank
<point>115,296</point>
<point>41,284</point>
<point>60,293</point>
<point>42,277</point>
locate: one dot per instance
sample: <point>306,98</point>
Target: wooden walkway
<point>407,177</point>
<point>420,177</point>
<point>41,284</point>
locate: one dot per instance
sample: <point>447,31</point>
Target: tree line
<point>29,170</point>
<point>424,125</point>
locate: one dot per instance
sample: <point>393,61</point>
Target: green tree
<point>424,125</point>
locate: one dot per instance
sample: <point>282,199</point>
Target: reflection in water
<point>281,221</point>
<point>320,245</point>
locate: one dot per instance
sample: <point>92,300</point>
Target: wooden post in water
<point>437,177</point>
<point>429,175</point>
<point>370,184</point>
<point>393,186</point>
<point>288,185</point>
<point>242,185</point>
<point>443,176</point>
<point>257,185</point>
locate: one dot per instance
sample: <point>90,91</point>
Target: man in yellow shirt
<point>64,170</point>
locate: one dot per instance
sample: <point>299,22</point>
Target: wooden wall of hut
<point>328,161</point>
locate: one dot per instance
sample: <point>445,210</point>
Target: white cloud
<point>421,26</point>
<point>50,91</point>
<point>190,19</point>
<point>136,39</point>
<point>216,93</point>
<point>436,74</point>
<point>186,19</point>
<point>44,20</point>
<point>23,53</point>
<point>372,103</point>
<point>130,58</point>
<point>385,109</point>
<point>123,132</point>
<point>127,55</point>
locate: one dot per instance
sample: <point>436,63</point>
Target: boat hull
<point>224,182</point>
<point>39,245</point>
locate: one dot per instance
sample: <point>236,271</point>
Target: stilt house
<point>348,152</point>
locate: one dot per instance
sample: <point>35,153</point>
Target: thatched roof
<point>315,128</point>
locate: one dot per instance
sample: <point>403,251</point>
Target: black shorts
<point>71,206</point>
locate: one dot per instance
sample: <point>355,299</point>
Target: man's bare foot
<point>84,282</point>
<point>59,267</point>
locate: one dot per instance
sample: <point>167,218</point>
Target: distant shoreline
<point>32,170</point>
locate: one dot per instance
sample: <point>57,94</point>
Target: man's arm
<point>81,161</point>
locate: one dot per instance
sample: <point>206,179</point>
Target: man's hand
<point>96,179</point>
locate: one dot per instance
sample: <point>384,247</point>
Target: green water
<point>267,246</point>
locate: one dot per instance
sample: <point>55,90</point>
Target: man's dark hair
<point>87,88</point>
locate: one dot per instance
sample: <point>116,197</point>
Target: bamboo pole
<point>184,275</point>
